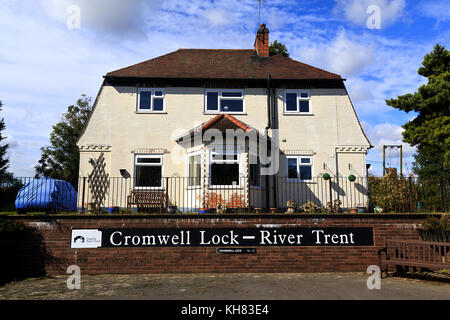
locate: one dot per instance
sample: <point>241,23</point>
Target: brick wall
<point>52,236</point>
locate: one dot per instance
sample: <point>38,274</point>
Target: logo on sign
<point>86,239</point>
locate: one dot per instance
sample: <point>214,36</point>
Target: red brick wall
<point>262,41</point>
<point>55,235</point>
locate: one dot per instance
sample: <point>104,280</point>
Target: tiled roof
<point>222,122</point>
<point>222,64</point>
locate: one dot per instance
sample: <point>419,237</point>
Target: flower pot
<point>113,209</point>
<point>172,209</point>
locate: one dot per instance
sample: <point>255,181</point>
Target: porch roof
<point>220,122</point>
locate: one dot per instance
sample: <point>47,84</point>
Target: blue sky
<point>45,66</point>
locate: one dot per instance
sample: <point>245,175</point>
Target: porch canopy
<point>208,133</point>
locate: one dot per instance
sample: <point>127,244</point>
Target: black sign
<point>231,237</point>
<point>237,250</point>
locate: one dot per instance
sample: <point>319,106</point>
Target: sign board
<point>90,238</point>
<point>222,237</point>
<point>237,250</point>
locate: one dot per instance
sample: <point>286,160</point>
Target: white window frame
<point>152,90</point>
<point>299,98</point>
<point>219,97</point>
<point>147,156</point>
<point>298,158</point>
<point>229,161</point>
<point>192,154</point>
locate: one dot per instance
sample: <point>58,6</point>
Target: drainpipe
<point>269,125</point>
<point>274,177</point>
<point>269,116</point>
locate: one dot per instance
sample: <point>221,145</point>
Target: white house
<point>161,126</point>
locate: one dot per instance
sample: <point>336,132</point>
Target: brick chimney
<point>262,41</point>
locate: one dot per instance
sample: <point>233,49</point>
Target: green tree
<point>429,131</point>
<point>5,176</point>
<point>278,48</point>
<point>60,159</point>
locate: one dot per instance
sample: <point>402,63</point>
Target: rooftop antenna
<point>259,12</point>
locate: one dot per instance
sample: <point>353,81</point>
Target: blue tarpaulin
<point>47,194</point>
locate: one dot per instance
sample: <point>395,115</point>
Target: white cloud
<point>439,10</point>
<point>355,11</point>
<point>107,17</point>
<point>217,17</point>
<point>387,134</point>
<point>343,56</point>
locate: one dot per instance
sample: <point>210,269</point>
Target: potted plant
<point>221,208</point>
<point>172,208</point>
<point>310,207</point>
<point>335,207</point>
<point>291,206</point>
<point>436,230</point>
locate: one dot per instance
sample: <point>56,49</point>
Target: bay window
<point>194,170</point>
<point>254,171</point>
<point>224,169</point>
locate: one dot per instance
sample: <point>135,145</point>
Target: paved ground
<point>227,286</point>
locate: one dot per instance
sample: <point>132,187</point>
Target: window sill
<point>217,113</point>
<point>297,114</point>
<point>301,181</point>
<point>230,187</point>
<point>193,188</point>
<point>150,112</point>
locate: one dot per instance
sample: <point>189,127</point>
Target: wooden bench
<point>147,199</point>
<point>420,254</point>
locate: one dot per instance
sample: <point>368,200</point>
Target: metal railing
<point>236,195</point>
<point>239,194</point>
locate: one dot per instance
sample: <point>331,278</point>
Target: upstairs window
<point>151,100</point>
<point>299,168</point>
<point>297,101</point>
<point>224,101</point>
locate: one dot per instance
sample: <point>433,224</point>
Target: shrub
<point>390,192</point>
<point>433,223</point>
<point>8,196</point>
